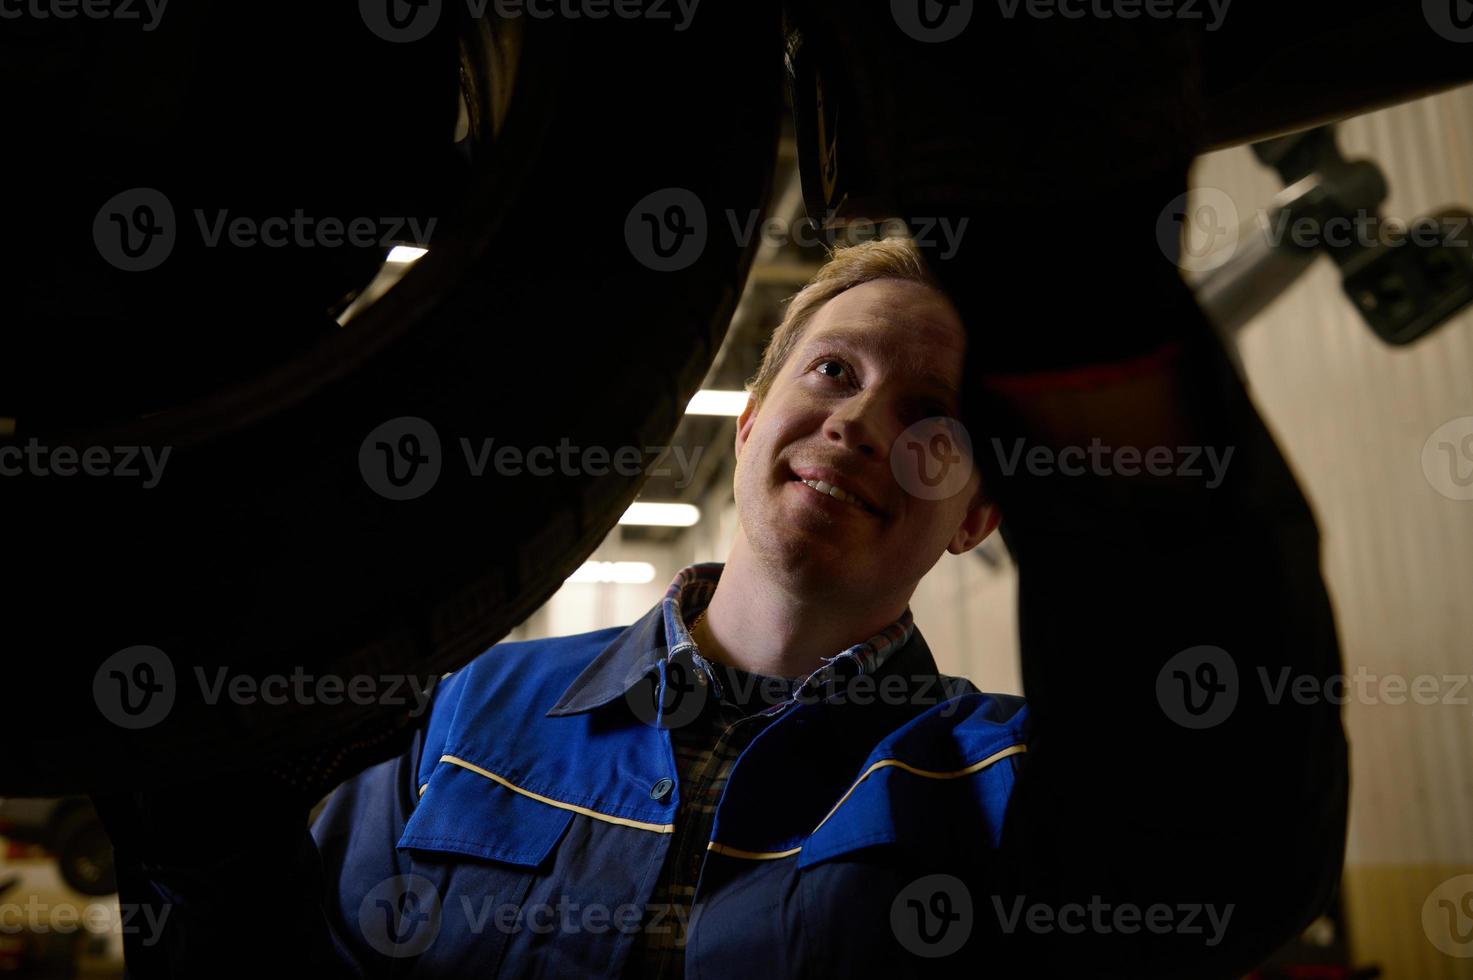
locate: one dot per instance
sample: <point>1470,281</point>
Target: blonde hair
<point>848,266</point>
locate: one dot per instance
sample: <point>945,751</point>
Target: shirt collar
<point>662,634</point>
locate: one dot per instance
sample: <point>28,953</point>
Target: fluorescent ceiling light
<point>406,253</point>
<point>710,401</point>
<point>661,515</point>
<point>617,572</point>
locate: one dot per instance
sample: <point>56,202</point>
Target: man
<point>765,775</point>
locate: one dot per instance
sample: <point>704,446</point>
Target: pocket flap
<point>960,811</point>
<point>468,811</point>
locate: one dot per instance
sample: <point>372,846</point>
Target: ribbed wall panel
<point>1352,415</point>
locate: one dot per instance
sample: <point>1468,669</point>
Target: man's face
<point>872,362</point>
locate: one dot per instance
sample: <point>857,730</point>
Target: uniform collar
<point>662,634</point>
<point>632,656</point>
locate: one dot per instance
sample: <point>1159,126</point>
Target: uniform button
<point>662,789</point>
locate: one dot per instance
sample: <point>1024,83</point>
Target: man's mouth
<point>837,492</point>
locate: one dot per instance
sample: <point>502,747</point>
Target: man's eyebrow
<point>859,340</point>
<point>890,350</point>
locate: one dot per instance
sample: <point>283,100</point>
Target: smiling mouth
<point>837,493</point>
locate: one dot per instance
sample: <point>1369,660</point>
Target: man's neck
<point>763,626</point>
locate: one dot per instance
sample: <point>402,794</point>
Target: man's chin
<point>820,560</point>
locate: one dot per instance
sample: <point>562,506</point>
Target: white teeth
<point>834,491</point>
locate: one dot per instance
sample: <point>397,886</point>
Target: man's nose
<point>859,426</point>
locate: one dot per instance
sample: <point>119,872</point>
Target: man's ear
<point>744,422</point>
<point>981,520</point>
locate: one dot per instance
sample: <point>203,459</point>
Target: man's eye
<point>831,368</point>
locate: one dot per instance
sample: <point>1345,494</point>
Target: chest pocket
<point>480,843</point>
<point>958,812</point>
<point>470,811</point>
<point>883,881</point>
